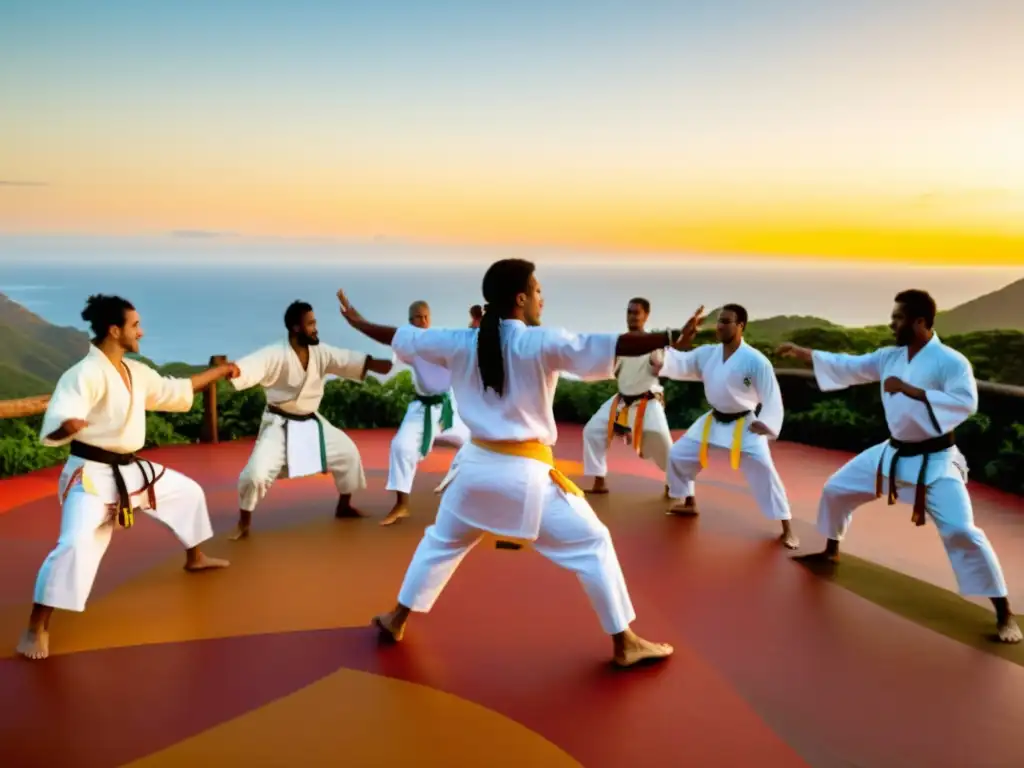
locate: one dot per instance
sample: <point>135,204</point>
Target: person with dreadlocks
<point>506,484</point>
<point>430,417</point>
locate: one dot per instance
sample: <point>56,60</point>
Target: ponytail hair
<point>503,282</point>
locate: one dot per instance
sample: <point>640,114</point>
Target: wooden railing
<point>32,406</point>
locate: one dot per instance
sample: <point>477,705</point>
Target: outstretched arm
<point>639,343</point>
<point>206,378</point>
<point>433,345</point>
<point>383,334</point>
<point>382,367</point>
<point>837,370</point>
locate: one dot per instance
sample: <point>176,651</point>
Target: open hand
<point>690,329</point>
<point>347,310</point>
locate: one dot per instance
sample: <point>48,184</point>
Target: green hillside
<point>34,353</point>
<point>1001,310</point>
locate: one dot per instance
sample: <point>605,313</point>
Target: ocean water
<point>201,308</point>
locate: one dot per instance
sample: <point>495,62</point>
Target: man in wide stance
<point>637,410</point>
<point>506,484</point>
<point>430,416</point>
<point>746,413</point>
<point>928,390</point>
<point>99,406</point>
<point>294,440</point>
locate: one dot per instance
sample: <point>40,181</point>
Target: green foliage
<point>993,439</point>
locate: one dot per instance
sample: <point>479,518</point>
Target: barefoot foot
<point>1009,631</point>
<point>241,532</point>
<point>789,540</point>
<point>389,627</point>
<point>397,512</point>
<point>34,644</point>
<point>686,508</point>
<point>818,558</point>
<point>345,509</point>
<point>635,649</point>
<point>201,562</point>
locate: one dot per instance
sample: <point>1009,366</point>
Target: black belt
<point>729,418</point>
<point>290,416</point>
<point>125,512</point>
<point>924,449</point>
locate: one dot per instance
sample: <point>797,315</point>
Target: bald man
<point>431,417</point>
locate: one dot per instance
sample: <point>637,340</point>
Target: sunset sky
<point>861,129</point>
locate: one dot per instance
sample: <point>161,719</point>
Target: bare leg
<point>400,510</point>
<point>197,561</point>
<point>392,624</point>
<point>788,538</point>
<point>35,641</point>
<point>345,508</point>
<point>244,523</point>
<point>1006,624</point>
<point>599,486</point>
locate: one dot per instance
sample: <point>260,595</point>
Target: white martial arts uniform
<point>952,394</point>
<point>513,496</point>
<point>412,443</point>
<point>93,390</point>
<point>291,448</point>
<point>742,383</point>
<point>635,377</point>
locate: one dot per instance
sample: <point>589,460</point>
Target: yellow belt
<point>530,449</point>
<point>737,441</point>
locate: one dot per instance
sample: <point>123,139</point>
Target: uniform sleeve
<point>77,392</point>
<point>949,407</point>
<point>588,356</point>
<point>685,366</point>
<point>435,345</point>
<point>164,393</point>
<point>837,370</point>
<point>262,367</point>
<point>344,363</point>
<point>770,394</point>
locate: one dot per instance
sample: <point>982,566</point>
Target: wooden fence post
<point>209,430</point>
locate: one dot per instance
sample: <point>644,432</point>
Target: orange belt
<point>622,419</point>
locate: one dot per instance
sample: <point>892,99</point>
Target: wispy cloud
<point>16,183</point>
<point>201,234</point>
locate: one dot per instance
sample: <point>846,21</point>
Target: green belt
<point>447,417</point>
